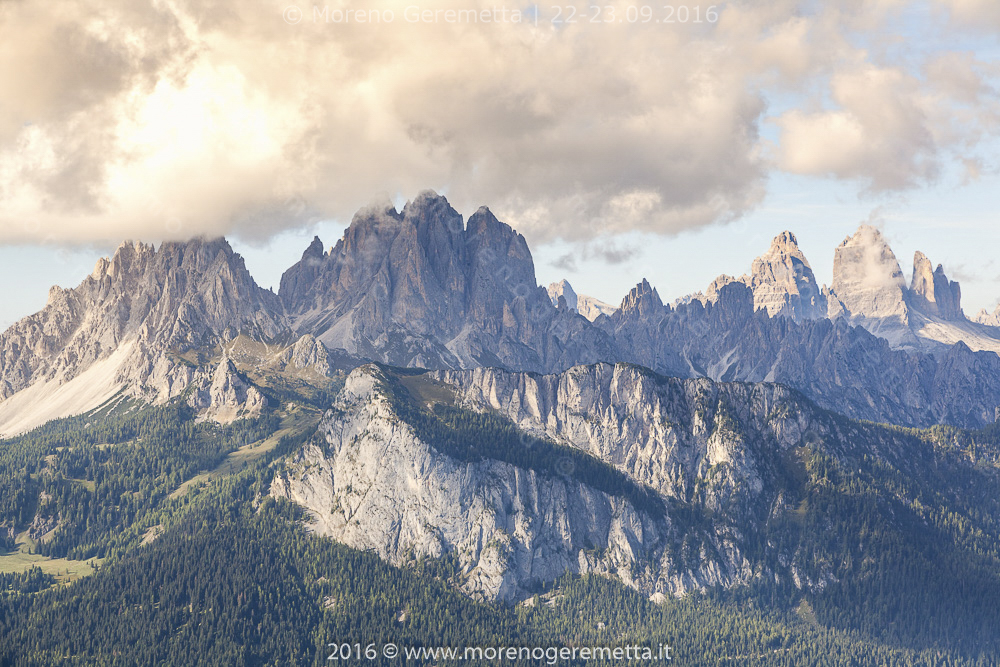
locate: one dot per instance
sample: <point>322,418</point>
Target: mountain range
<point>669,485</point>
<point>412,424</point>
<point>424,288</point>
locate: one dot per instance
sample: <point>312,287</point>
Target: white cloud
<point>979,14</point>
<point>891,130</point>
<point>878,133</point>
<point>199,117</point>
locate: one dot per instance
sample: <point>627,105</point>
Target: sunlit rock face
<point>129,327</point>
<point>932,293</point>
<point>783,282</point>
<point>421,287</point>
<point>373,483</point>
<point>870,287</point>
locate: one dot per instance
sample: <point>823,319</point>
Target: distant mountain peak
<point>785,239</point>
<point>587,306</point>
<point>315,248</point>
<point>864,262</point>
<point>932,293</point>
<point>423,287</point>
<point>868,282</point>
<point>783,282</point>
<point>642,299</point>
<point>565,290</point>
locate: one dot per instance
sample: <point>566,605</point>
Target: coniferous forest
<point>224,574</point>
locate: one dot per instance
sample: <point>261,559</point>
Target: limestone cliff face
<point>869,284</point>
<point>932,292</point>
<point>666,433</point>
<point>422,288</point>
<point>783,282</point>
<point>372,483</point>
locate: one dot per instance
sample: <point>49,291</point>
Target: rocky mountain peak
<point>642,299</point>
<point>783,282</point>
<point>785,241</point>
<point>420,287</point>
<point>484,227</point>
<point>869,283</point>
<point>932,293</point>
<point>130,256</point>
<point>300,277</point>
<point>429,210</point>
<point>865,262</point>
<point>315,249</point>
<point>869,290</point>
<point>120,327</point>
<point>565,290</point>
<point>988,318</point>
<point>587,306</point>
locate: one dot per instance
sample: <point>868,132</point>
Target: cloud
<point>963,272</point>
<point>979,14</point>
<point>606,249</point>
<point>892,130</point>
<point>566,262</point>
<point>879,133</point>
<point>174,119</point>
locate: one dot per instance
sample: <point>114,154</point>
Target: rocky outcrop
<point>842,367</point>
<point>722,452</point>
<point>565,290</point>
<point>641,301</point>
<point>224,395</point>
<point>133,325</point>
<point>932,292</point>
<point>870,286</point>
<point>422,288</point>
<point>783,282</point>
<point>587,306</point>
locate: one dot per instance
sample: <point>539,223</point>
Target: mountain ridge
<point>127,328</point>
<point>424,287</point>
<point>737,465</point>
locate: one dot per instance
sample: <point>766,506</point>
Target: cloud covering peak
<point>169,120</point>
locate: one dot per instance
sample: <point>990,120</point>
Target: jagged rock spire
<point>783,282</point>
<point>931,292</point>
